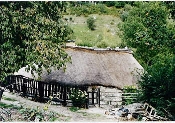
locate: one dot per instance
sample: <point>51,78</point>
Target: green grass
<point>9,99</point>
<point>74,109</point>
<point>3,105</point>
<point>105,34</point>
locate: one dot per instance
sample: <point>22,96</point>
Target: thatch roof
<point>116,68</point>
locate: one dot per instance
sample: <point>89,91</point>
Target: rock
<point>130,117</point>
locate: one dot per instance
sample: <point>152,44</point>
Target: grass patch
<point>106,33</point>
<point>9,99</point>
<point>74,109</point>
<point>3,105</point>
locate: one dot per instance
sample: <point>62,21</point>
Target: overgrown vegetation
<point>34,114</point>
<point>91,8</point>
<point>39,115</point>
<point>131,94</point>
<point>158,83</point>
<point>147,28</point>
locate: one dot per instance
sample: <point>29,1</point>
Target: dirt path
<point>93,114</point>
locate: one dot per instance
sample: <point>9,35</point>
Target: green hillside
<point>106,33</point>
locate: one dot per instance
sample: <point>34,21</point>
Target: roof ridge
<point>117,49</point>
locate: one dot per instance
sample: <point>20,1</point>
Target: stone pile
<point>136,111</point>
<point>130,112</point>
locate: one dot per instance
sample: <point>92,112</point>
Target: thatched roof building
<point>115,68</point>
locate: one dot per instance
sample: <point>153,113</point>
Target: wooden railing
<point>41,91</point>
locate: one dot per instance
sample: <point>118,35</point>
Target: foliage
<point>130,89</point>
<point>74,109</point>
<point>90,8</point>
<point>125,12</point>
<point>5,113</point>
<point>157,84</point>
<point>127,92</point>
<point>34,114</point>
<point>145,28</point>
<point>32,33</point>
<point>171,6</point>
<point>78,97</point>
<point>91,23</point>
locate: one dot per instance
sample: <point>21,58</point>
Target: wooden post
<point>15,81</point>
<point>93,96</point>
<point>49,89</point>
<point>10,82</point>
<point>64,95</point>
<point>41,90</point>
<point>1,92</point>
<point>24,87</point>
<point>99,97</point>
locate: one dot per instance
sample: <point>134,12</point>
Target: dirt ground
<point>93,114</point>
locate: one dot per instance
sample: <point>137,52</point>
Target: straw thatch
<point>97,67</point>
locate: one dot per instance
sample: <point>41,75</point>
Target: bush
<point>125,12</point>
<point>79,98</point>
<point>158,84</point>
<point>129,89</point>
<point>91,23</point>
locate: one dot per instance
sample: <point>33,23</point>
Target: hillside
<point>106,33</point>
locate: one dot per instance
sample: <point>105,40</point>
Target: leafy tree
<point>145,28</point>
<point>32,33</point>
<point>91,23</point>
<point>171,6</point>
<point>158,83</point>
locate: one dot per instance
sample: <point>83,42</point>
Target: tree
<point>157,84</point>
<point>32,33</point>
<point>145,28</point>
<point>171,6</point>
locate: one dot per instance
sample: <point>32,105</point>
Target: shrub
<point>91,23</point>
<point>78,97</point>
<point>130,97</point>
<point>158,83</point>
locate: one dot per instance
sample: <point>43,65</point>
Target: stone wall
<point>110,97</point>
